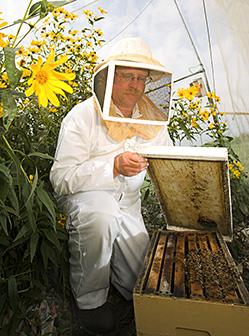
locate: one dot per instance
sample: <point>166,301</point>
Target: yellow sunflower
<point>181,93</point>
<point>191,92</point>
<point>45,82</point>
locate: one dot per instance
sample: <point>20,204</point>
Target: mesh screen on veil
<point>159,92</point>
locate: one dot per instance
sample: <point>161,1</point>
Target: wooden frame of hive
<point>183,290</point>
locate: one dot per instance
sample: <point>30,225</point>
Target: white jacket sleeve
<point>75,167</point>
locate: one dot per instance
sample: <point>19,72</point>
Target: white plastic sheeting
<point>230,29</point>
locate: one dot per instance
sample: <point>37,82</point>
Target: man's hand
<point>129,164</point>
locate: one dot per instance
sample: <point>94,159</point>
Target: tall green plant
<point>29,236</point>
<point>33,251</point>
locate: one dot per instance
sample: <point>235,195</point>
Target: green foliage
<point>151,209</point>
<point>33,240</point>
<point>240,200</point>
<point>30,239</point>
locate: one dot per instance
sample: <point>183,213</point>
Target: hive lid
<point>192,184</point>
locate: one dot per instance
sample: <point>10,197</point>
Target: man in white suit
<point>98,180</point>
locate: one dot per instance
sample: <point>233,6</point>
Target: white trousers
<point>107,243</point>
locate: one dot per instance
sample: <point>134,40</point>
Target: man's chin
<point>132,97</point>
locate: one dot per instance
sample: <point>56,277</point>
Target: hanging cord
<point>192,42</point>
<point>209,44</point>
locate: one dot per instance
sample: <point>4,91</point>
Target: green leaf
<point>44,254</point>
<point>33,244</point>
<point>14,74</point>
<point>99,18</point>
<point>9,108</point>
<point>13,199</point>
<point>48,203</point>
<point>7,188</point>
<point>28,194</point>
<point>146,194</point>
<point>4,242</point>
<point>52,255</point>
<point>48,253</point>
<point>41,155</point>
<point>5,185</point>
<point>12,292</point>
<point>15,159</point>
<point>52,237</point>
<point>11,153</point>
<point>34,185</point>
<point>3,222</point>
<point>22,233</point>
<point>29,205</point>
<point>35,9</point>
<point>19,21</point>
<point>5,170</point>
<point>3,301</point>
<point>2,129</point>
<point>39,8</point>
<point>7,209</point>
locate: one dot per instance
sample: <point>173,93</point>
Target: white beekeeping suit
<point>107,236</point>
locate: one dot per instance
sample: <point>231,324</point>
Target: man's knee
<point>97,224</point>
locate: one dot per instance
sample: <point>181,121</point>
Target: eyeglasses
<point>128,77</point>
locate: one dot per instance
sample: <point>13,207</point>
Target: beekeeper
<point>97,179</point>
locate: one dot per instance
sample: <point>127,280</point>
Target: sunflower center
<point>42,76</point>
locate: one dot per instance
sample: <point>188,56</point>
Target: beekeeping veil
<point>131,62</point>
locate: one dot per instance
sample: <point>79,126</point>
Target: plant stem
<point>22,38</point>
<point>20,26</point>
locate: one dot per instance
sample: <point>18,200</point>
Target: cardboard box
<point>190,285</point>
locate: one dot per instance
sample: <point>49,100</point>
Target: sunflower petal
<point>29,91</point>
<point>56,89</point>
<point>42,97</point>
<point>60,61</point>
<point>3,24</point>
<point>63,76</point>
<point>52,96</point>
<point>50,57</point>
<point>64,86</point>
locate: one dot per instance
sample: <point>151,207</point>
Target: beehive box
<point>190,285</point>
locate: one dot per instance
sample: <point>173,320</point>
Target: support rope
<point>193,45</point>
<point>209,44</point>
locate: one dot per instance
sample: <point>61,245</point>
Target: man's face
<point>128,86</point>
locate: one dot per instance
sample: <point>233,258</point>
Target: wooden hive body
<point>190,285</point>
